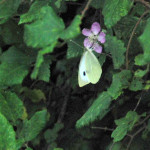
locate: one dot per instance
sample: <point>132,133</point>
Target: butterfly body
<point>89,69</point>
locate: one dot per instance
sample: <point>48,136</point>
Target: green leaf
<point>31,128</point>
<point>117,50</point>
<point>139,60</point>
<point>29,148</point>
<point>97,110</point>
<point>114,10</point>
<point>144,40</point>
<point>136,84</point>
<point>12,73</point>
<point>58,149</point>
<point>8,8</point>
<point>7,138</point>
<point>44,72</point>
<point>51,135</point>
<point>40,60</point>
<point>35,95</point>
<point>97,4</point>
<point>124,125</point>
<point>140,73</point>
<point>14,55</point>
<point>44,31</point>
<point>120,82</point>
<point>73,30</point>
<point>11,106</point>
<point>34,12</point>
<point>11,33</point>
<point>75,48</point>
<point>119,133</point>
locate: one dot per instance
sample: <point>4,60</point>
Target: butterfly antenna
<point>76,43</point>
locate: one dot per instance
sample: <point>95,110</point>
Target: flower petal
<point>86,32</point>
<point>97,48</point>
<point>87,43</point>
<point>101,37</point>
<point>95,28</point>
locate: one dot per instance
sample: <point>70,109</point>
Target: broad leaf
<point>31,128</point>
<point>7,138</point>
<point>11,33</point>
<point>12,73</point>
<point>97,110</point>
<point>117,50</point>
<point>34,12</point>
<point>144,40</point>
<point>8,8</point>
<point>11,106</point>
<point>44,31</point>
<point>40,60</point>
<point>73,30</point>
<point>115,9</point>
<point>75,48</point>
<point>120,82</point>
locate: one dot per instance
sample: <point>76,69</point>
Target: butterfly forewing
<point>93,68</point>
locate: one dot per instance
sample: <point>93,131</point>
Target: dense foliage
<point>42,106</point>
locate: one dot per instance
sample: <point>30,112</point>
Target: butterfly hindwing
<point>82,74</point>
<point>93,68</point>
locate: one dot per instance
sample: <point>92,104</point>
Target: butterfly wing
<point>82,75</point>
<point>93,67</point>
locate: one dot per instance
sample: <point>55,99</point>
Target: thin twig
<point>64,106</point>
<point>147,4</point>
<point>103,128</point>
<point>143,121</point>
<point>132,137</point>
<point>132,34</point>
<point>139,100</point>
<point>85,9</point>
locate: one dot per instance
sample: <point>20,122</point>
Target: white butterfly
<point>89,69</point>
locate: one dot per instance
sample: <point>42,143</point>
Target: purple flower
<point>94,36</point>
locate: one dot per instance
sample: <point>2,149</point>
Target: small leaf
<point>7,138</point>
<point>140,73</point>
<point>44,72</point>
<point>73,30</point>
<point>136,84</point>
<point>51,135</point>
<point>139,60</point>
<point>120,82</point>
<point>117,50</point>
<point>124,125</point>
<point>115,9</point>
<point>119,133</point>
<point>31,128</point>
<point>98,109</point>
<point>44,31</point>
<point>35,95</point>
